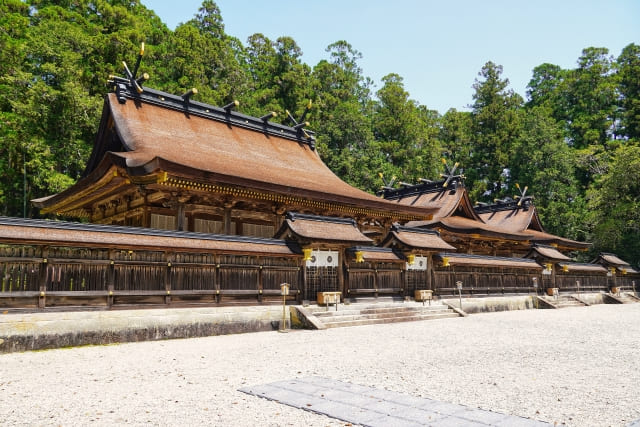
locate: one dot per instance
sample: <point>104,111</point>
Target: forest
<point>574,140</point>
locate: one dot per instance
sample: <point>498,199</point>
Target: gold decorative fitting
<point>445,261</point>
<point>549,266</point>
<point>307,254</point>
<point>359,256</point>
<point>44,261</point>
<point>411,259</point>
<point>41,294</point>
<point>168,292</point>
<point>168,264</point>
<point>624,271</point>
<point>565,268</point>
<point>110,293</point>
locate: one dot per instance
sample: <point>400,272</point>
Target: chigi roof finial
<point>119,83</point>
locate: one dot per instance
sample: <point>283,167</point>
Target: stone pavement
<point>370,406</point>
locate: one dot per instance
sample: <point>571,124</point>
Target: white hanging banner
<point>320,258</point>
<point>419,263</point>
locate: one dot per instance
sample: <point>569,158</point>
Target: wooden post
<point>180,218</point>
<point>167,278</point>
<point>216,284</point>
<point>227,220</point>
<point>429,271</point>
<point>341,282</point>
<point>42,280</point>
<point>260,280</point>
<point>305,283</point>
<point>375,279</point>
<point>110,278</point>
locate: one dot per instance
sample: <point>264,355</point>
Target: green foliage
<point>629,86</point>
<point>574,141</point>
<point>544,162</point>
<point>614,205</point>
<point>495,126</point>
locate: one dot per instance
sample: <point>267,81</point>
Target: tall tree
<point>629,86</point>
<point>405,131</point>
<point>591,99</point>
<point>545,163</point>
<point>495,125</point>
<point>614,205</point>
<point>456,137</point>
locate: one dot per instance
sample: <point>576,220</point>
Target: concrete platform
<point>38,331</point>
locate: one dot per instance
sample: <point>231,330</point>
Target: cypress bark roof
<point>93,235</point>
<point>416,238</point>
<point>480,260</point>
<point>142,134</point>
<point>314,228</point>
<point>547,253</point>
<point>575,266</point>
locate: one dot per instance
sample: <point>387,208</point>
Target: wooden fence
<point>35,276</point>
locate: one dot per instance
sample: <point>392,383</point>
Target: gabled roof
<point>514,217</point>
<point>372,253</point>
<point>544,252</point>
<point>445,201</point>
<point>611,259</point>
<point>27,231</point>
<point>581,267</point>
<point>485,261</point>
<point>415,238</point>
<point>143,134</point>
<point>314,228</point>
<point>461,225</point>
<point>552,239</point>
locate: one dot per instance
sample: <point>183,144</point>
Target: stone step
<point>363,311</point>
<point>360,322</point>
<point>564,301</point>
<point>405,314</point>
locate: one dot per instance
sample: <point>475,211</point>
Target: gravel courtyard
<point>576,366</point>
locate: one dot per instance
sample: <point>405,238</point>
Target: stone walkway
<point>370,406</point>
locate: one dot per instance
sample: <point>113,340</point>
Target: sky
<point>437,47</point>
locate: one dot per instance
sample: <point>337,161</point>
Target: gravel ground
<point>576,366</point>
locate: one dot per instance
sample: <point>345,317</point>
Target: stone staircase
<point>369,314</point>
<point>564,301</point>
<point>625,298</point>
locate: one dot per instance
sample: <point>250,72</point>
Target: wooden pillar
<point>341,267</point>
<point>260,280</point>
<point>110,278</point>
<point>305,283</point>
<point>180,217</point>
<point>227,220</point>
<point>216,277</point>
<point>42,279</point>
<point>167,278</point>
<point>430,283</point>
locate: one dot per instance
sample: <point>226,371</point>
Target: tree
<point>495,125</point>
<point>405,131</point>
<point>545,163</point>
<point>629,87</point>
<point>456,137</point>
<point>591,99</point>
<point>614,205</point>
